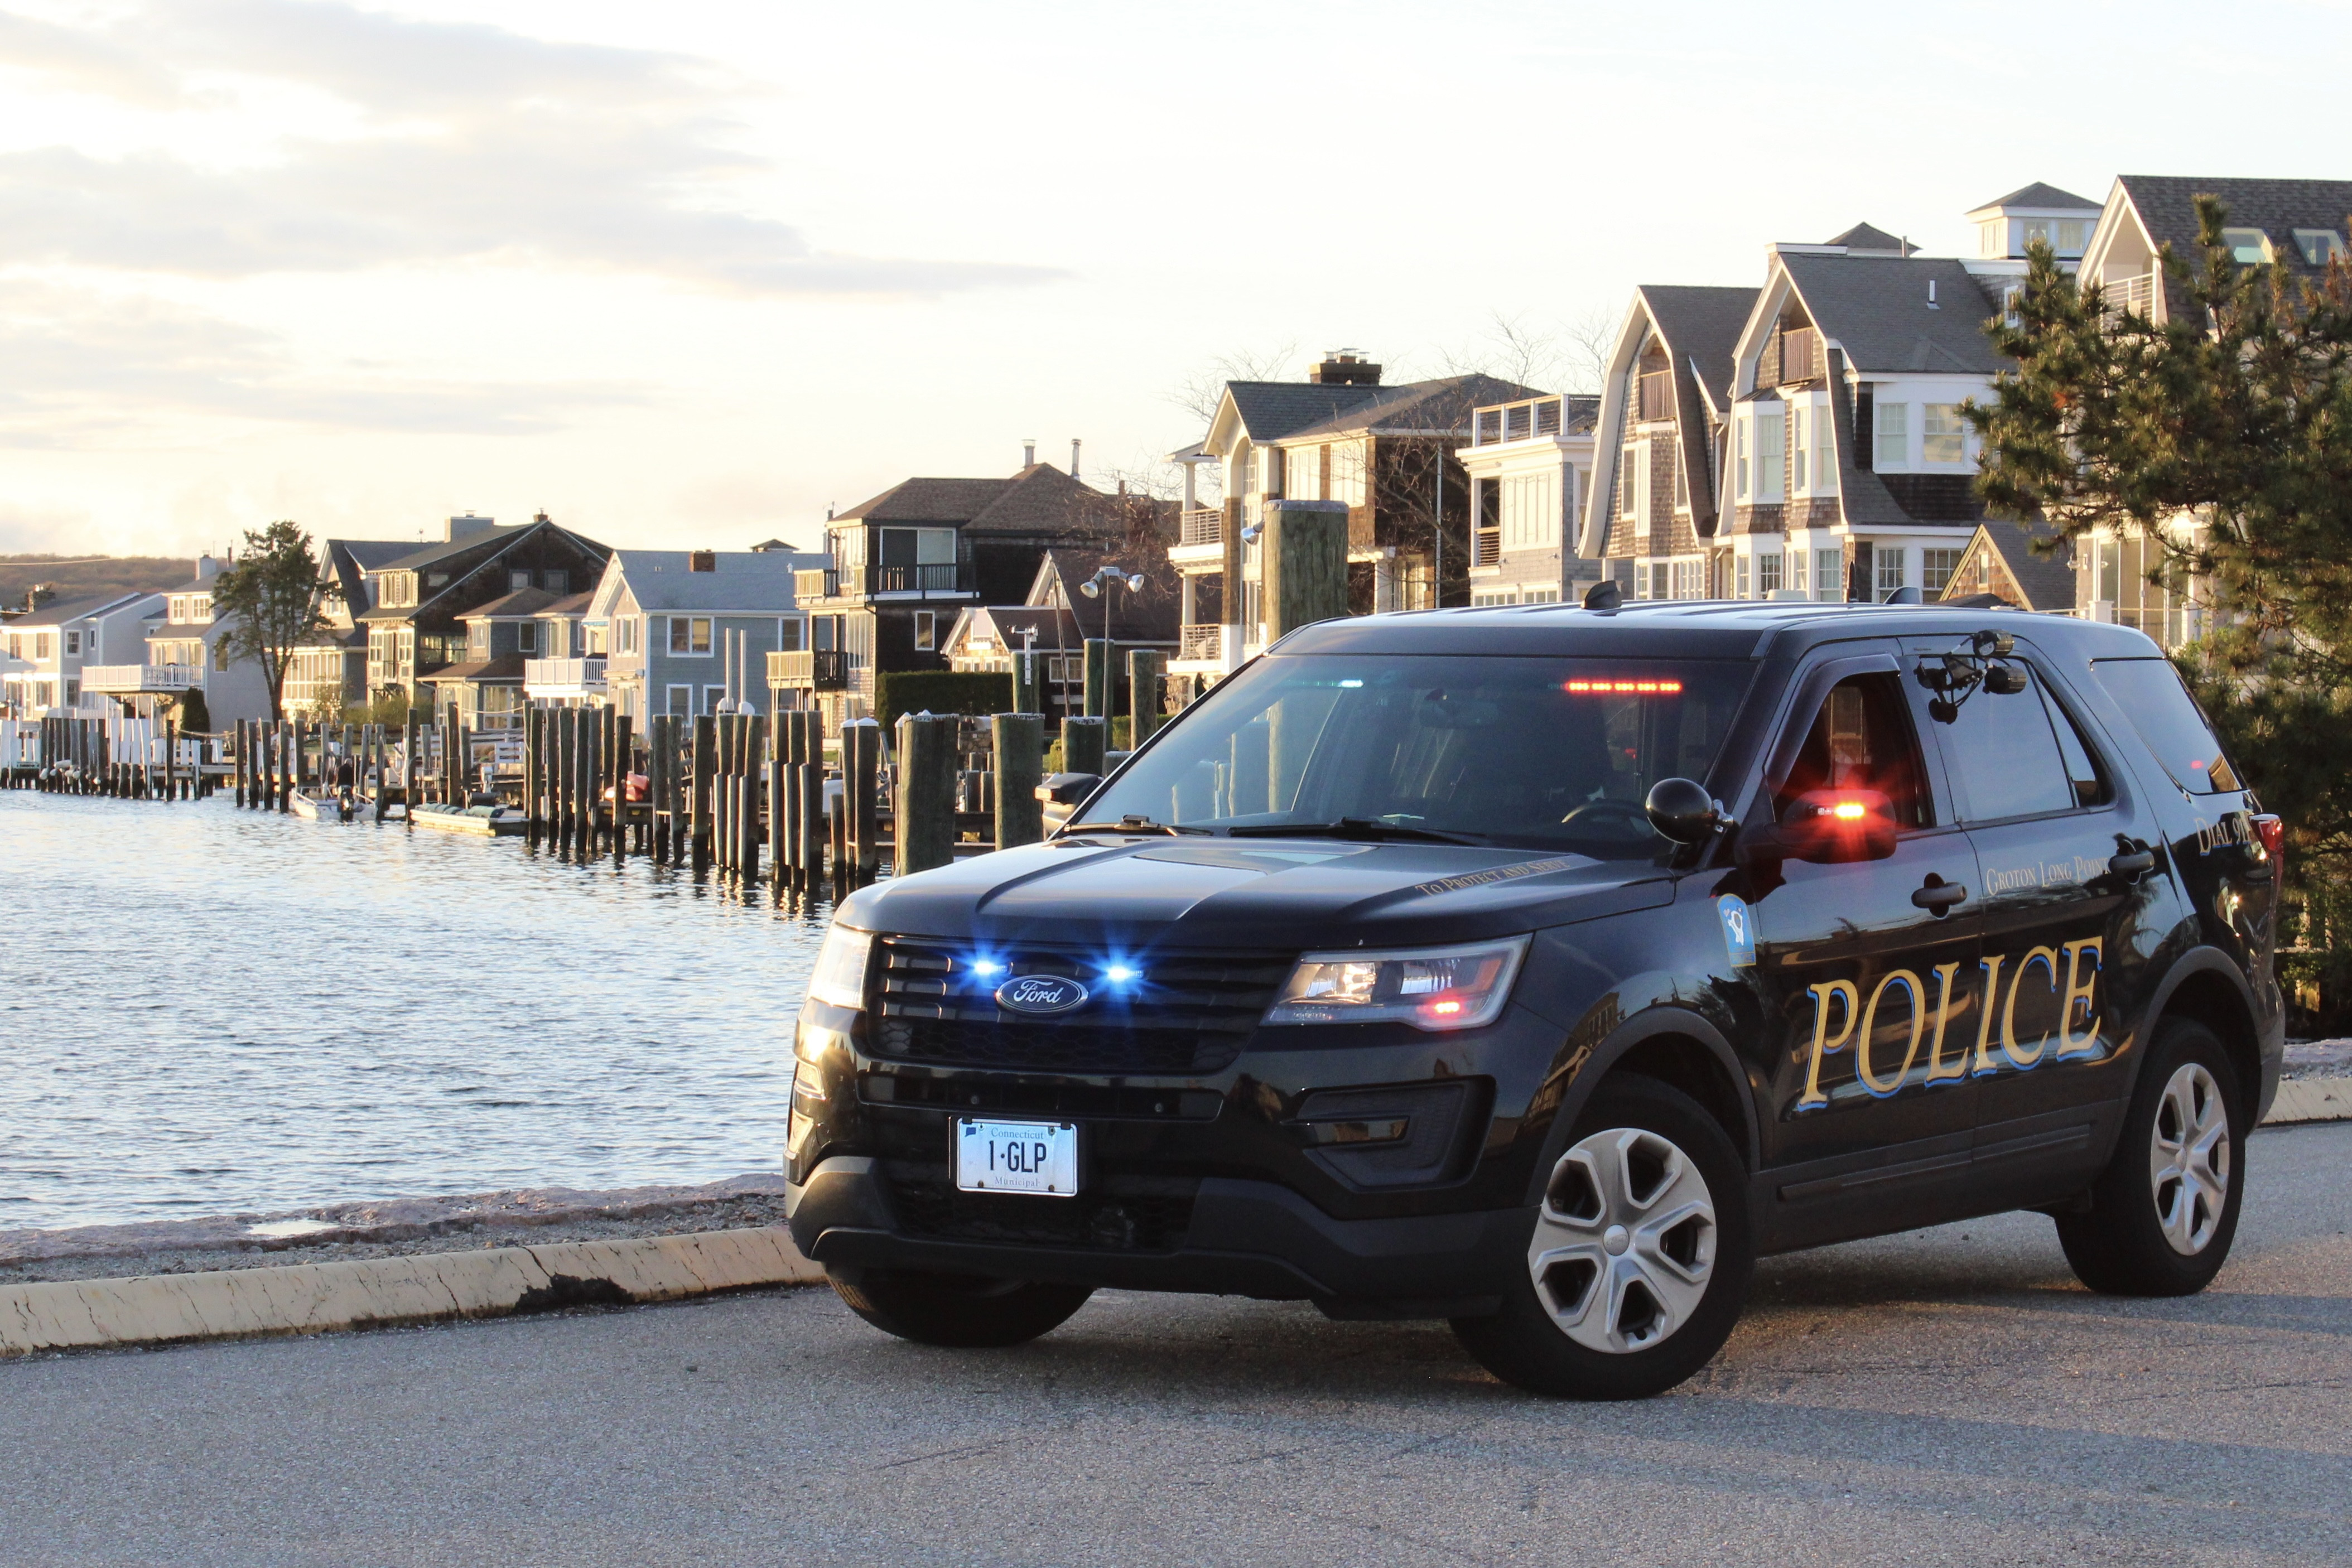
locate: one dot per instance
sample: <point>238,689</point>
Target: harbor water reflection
<point>205,1011</point>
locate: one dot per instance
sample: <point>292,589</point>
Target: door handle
<point>2133,864</point>
<point>1937,896</point>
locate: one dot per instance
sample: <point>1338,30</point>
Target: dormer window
<point>2249,247</point>
<point>2319,246</point>
<point>517,582</point>
<point>526,637</point>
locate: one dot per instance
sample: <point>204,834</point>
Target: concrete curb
<point>2311,1100</point>
<point>379,1293</point>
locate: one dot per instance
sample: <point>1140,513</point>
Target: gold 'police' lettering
<point>2079,990</point>
<point>2049,962</point>
<point>1959,1069</point>
<point>1823,1045</point>
<point>1997,1049</point>
<point>1910,983</point>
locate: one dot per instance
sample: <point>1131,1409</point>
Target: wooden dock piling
<point>923,812</point>
<point>1020,757</point>
<point>1085,742</point>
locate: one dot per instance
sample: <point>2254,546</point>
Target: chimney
<point>1029,453</point>
<point>1342,368</point>
<point>1073,457</point>
<point>702,561</point>
<point>207,569</point>
<point>467,526</point>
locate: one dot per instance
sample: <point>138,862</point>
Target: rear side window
<point>2004,751</point>
<point>2168,718</point>
<point>1861,739</point>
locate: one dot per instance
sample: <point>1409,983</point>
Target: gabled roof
<point>2038,194</point>
<point>1270,411</point>
<point>59,611</point>
<point>374,555</point>
<point>425,555</point>
<point>748,582</point>
<point>2167,206</point>
<point>522,603</point>
<point>1878,307</point>
<point>1441,406</point>
<point>2047,582</point>
<point>1039,499</point>
<point>1866,237</point>
<point>1701,326</point>
<point>1056,628</point>
<point>1147,615</point>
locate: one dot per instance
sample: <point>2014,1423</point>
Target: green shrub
<point>971,691</point>
<point>195,716</point>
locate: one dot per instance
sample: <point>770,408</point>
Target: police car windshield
<point>1540,753</point>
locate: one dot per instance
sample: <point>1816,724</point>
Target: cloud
<point>90,369</point>
<point>464,143</point>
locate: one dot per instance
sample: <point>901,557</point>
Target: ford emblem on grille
<point>1040,994</point>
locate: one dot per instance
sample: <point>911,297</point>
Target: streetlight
<point>1109,576</point>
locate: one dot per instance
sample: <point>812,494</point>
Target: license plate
<point>1017,1156</point>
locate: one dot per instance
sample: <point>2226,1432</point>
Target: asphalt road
<point>1943,1396</point>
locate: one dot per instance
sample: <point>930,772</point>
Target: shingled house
<point>908,562</point>
<point>1388,454</point>
<point>2298,225</point>
<point>415,604</point>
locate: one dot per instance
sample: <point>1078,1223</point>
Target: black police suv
<point>1539,968</point>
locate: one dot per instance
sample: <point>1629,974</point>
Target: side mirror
<point>1829,827</point>
<point>1684,812</point>
<point>1068,788</point>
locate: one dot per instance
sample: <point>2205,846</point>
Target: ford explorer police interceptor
<point>1540,967</point>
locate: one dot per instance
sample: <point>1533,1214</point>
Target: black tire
<point>1526,1344</point>
<point>2123,1243</point>
<point>962,1311</point>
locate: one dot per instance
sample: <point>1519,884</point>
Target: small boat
<point>343,807</point>
<point>486,817</point>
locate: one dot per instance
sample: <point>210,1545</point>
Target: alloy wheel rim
<point>2189,1159</point>
<point>1624,1241</point>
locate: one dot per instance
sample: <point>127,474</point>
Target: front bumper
<point>1244,1238</point>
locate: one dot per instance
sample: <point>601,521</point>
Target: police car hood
<point>1252,894</point>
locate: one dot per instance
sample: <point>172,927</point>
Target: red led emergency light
<point>1643,688</point>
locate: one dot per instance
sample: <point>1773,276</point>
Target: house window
<point>2319,246</point>
<point>73,643</point>
<point>1942,436</point>
<point>526,637</point>
<point>1302,471</point>
<point>1793,567</point>
<point>1741,578</point>
<point>1892,441</point>
<point>711,698</point>
<point>1531,508</point>
<point>1799,473</point>
<point>517,582</point>
<point>690,634</point>
<point>927,631</point>
<point>1828,575</point>
<point>2250,246</point>
<point>1936,569</point>
<point>557,582</point>
<point>41,646</point>
<point>1629,467</point>
<point>1740,457</point>
<point>2073,234</point>
<point>1825,481</point>
<point>478,640</point>
<point>1770,455</point>
<point>679,701</point>
<point>1347,473</point>
<point>1688,579</point>
<point>1892,560</point>
<point>788,633</point>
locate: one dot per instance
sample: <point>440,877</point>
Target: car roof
<point>1705,628</point>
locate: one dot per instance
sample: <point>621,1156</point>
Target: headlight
<point>840,976</point>
<point>1431,987</point>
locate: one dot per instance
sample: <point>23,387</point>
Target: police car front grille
<point>1188,1014</point>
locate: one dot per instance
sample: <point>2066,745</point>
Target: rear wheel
<point>2163,1214</point>
<point>1638,1259</point>
<point>965,1311</point>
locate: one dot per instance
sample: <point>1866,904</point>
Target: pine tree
<point>2223,437</point>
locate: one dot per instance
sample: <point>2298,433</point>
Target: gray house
<point>666,616</point>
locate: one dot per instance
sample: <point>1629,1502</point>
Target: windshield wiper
<point>1132,825</point>
<point>1351,828</point>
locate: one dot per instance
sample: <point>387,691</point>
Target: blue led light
<point>1351,685</point>
<point>1119,974</point>
<point>985,966</point>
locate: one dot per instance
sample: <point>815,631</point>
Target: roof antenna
<point>1604,596</point>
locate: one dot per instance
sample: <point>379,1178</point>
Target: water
<point>204,1010</point>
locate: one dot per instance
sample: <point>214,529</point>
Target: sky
<point>687,275</point>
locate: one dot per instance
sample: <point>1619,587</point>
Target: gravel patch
<point>338,1232</point>
<point>2318,1059</point>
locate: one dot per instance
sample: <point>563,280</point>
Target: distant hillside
<point>83,577</point>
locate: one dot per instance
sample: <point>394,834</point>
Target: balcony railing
<point>582,675</point>
<point>811,669</point>
<point>114,679</point>
<point>1503,421</point>
<point>816,582</point>
<point>2134,295</point>
<point>1201,643</point>
<point>1203,526</point>
<point>942,577</point>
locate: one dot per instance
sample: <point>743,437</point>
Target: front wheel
<point>962,1311</point>
<point>2163,1214</point>
<point>1639,1257</point>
